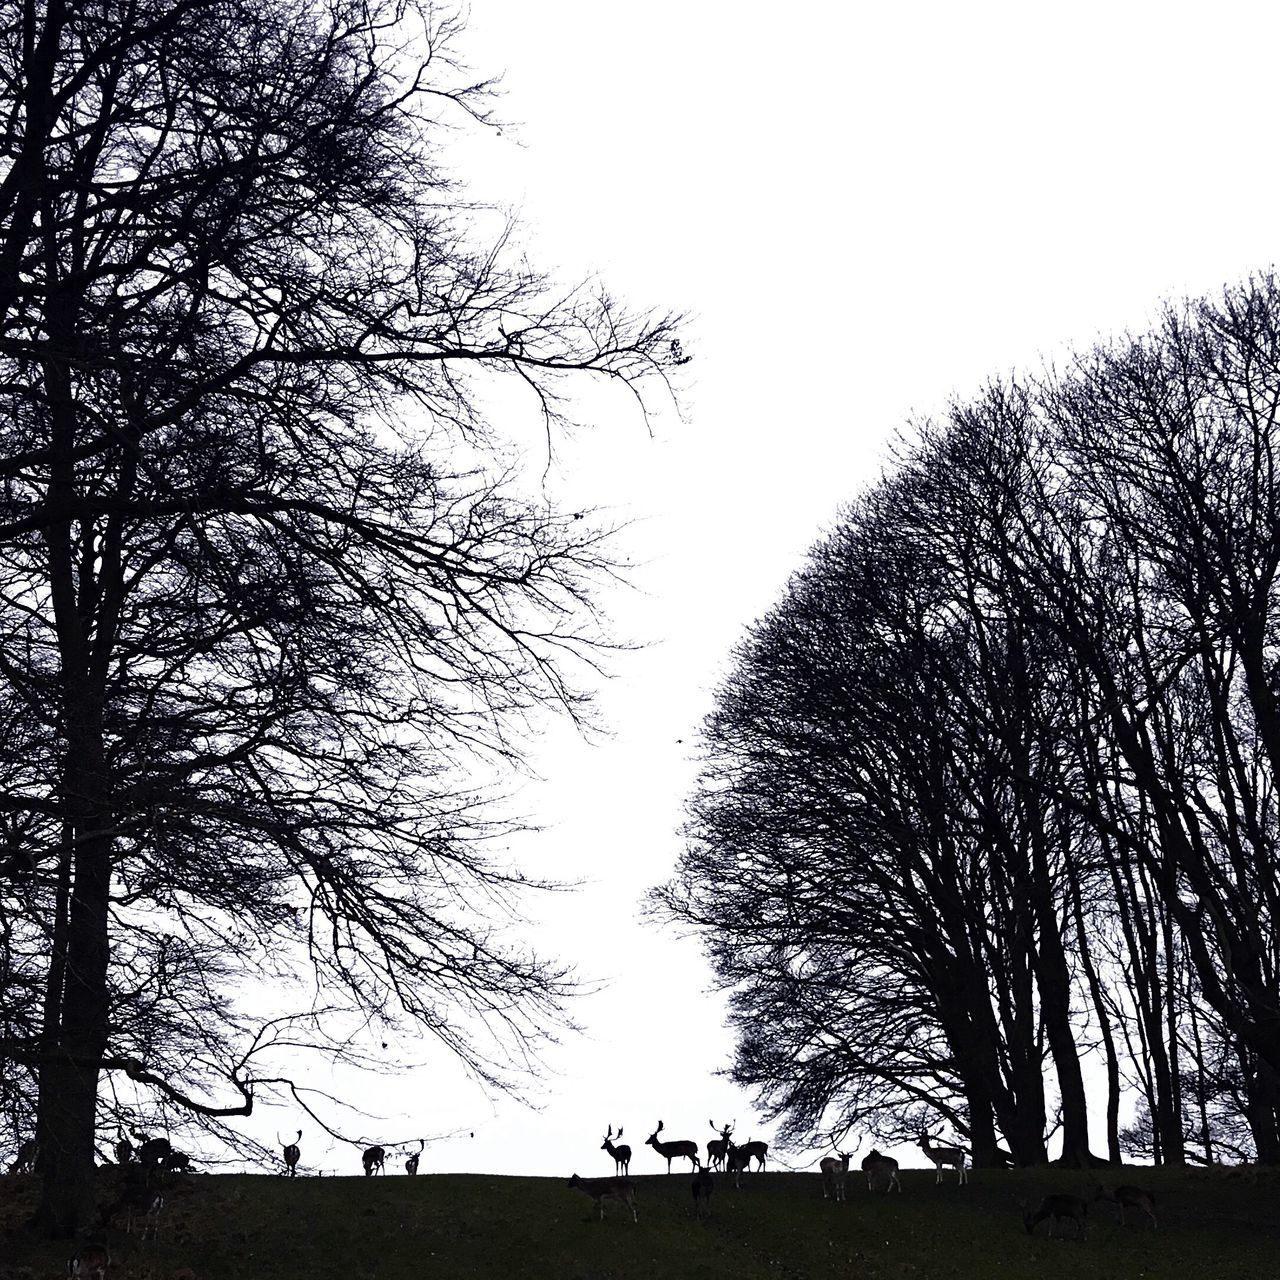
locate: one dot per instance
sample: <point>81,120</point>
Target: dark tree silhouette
<point>268,596</point>
<point>1013,733</point>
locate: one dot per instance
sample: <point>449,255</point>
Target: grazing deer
<point>1056,1208</point>
<point>755,1151</point>
<point>735,1161</point>
<point>411,1163</point>
<point>834,1173</point>
<point>28,1154</point>
<point>877,1165</point>
<point>673,1150</point>
<point>620,1152</point>
<point>152,1150</point>
<point>1129,1198</point>
<point>90,1263</point>
<point>374,1159</point>
<point>602,1189</point>
<point>703,1185</point>
<point>718,1148</point>
<point>943,1157</point>
<point>123,1148</point>
<point>291,1153</point>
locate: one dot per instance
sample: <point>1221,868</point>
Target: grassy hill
<point>241,1227</point>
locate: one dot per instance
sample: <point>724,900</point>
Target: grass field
<point>240,1227</point>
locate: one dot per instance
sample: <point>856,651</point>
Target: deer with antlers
<point>620,1152</point>
<point>755,1151</point>
<point>411,1162</point>
<point>682,1150</point>
<point>944,1157</point>
<point>718,1148</point>
<point>292,1153</point>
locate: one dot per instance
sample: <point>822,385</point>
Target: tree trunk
<point>69,1081</point>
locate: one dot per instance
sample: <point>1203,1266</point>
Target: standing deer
<point>834,1173</point>
<point>1056,1208</point>
<point>703,1185</point>
<point>876,1166</point>
<point>138,1202</point>
<point>1129,1198</point>
<point>374,1160</point>
<point>411,1163</point>
<point>602,1189</point>
<point>620,1152</point>
<point>124,1148</point>
<point>673,1150</point>
<point>292,1153</point>
<point>735,1161</point>
<point>943,1157</point>
<point>718,1148</point>
<point>755,1151</point>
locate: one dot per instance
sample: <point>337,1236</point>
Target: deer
<point>177,1162</point>
<point>943,1157</point>
<point>152,1150</point>
<point>673,1150</point>
<point>27,1156</point>
<point>1129,1198</point>
<point>735,1161</point>
<point>139,1202</point>
<point>755,1151</point>
<point>123,1147</point>
<point>90,1263</point>
<point>291,1153</point>
<point>620,1152</point>
<point>411,1162</point>
<point>1056,1208</point>
<point>718,1148</point>
<point>834,1172</point>
<point>703,1185</point>
<point>602,1189</point>
<point>374,1160</point>
<point>877,1165</point>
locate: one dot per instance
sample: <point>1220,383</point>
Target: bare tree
<point>267,592</point>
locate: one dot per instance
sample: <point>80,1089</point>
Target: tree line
<point>990,793</point>
<point>274,604</point>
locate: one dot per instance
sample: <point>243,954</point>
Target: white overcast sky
<point>867,208</point>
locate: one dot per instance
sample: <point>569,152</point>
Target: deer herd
<point>142,1197</point>
<point>724,1156</point>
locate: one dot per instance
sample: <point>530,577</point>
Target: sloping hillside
<point>235,1227</point>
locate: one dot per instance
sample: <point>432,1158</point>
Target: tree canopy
<point>992,787</point>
